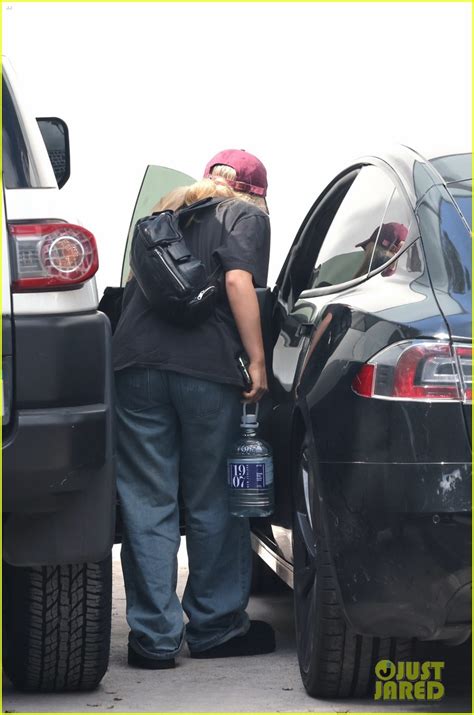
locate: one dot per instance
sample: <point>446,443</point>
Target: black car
<point>371,418</point>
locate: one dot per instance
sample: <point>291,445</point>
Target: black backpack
<point>175,282</point>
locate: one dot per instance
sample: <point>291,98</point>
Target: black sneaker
<point>140,661</point>
<point>259,639</point>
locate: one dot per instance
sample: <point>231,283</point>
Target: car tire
<point>334,661</point>
<point>57,622</point>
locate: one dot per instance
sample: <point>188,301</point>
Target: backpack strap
<point>199,206</point>
<point>179,251</point>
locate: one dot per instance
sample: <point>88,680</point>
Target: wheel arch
<point>299,429</point>
<point>302,429</point>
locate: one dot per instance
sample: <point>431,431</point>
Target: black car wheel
<point>334,661</point>
<point>57,625</point>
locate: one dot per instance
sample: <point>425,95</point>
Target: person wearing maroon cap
<point>243,172</point>
<point>388,240</point>
<point>179,393</point>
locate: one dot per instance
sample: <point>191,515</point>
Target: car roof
<point>414,170</point>
<point>441,148</point>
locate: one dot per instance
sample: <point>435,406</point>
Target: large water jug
<point>250,471</point>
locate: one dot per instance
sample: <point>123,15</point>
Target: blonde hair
<point>208,188</point>
<point>229,174</point>
<point>187,195</point>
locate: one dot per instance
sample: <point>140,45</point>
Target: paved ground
<point>269,683</point>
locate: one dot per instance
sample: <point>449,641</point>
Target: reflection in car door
<point>303,328</point>
<point>333,254</point>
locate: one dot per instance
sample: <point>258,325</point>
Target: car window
<point>15,158</point>
<point>461,191</point>
<point>448,243</point>
<point>299,264</point>
<point>455,167</point>
<point>157,182</point>
<point>394,231</point>
<point>456,243</point>
<point>347,249</point>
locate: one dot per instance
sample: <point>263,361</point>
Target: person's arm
<point>245,309</point>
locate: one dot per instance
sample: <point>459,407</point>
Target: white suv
<point>58,448</point>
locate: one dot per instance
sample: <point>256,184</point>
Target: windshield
<point>456,167</point>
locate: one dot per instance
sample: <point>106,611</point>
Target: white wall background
<point>305,86</point>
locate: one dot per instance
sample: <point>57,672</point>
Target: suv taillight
<point>52,255</point>
<point>426,371</point>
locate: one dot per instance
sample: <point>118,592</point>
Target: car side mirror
<point>56,137</point>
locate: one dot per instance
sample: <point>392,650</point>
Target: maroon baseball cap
<point>251,175</point>
<point>391,234</point>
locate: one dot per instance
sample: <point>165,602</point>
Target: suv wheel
<point>334,661</point>
<point>57,625</point>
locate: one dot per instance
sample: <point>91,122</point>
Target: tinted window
<point>461,191</point>
<point>456,167</point>
<point>16,164</point>
<point>347,250</point>
<point>456,245</point>
<point>448,244</point>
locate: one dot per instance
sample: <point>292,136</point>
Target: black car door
<point>338,247</point>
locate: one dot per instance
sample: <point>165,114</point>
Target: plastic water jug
<point>250,471</point>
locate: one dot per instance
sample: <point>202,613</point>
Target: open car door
<point>157,182</point>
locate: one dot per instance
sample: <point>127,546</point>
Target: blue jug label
<point>250,475</point>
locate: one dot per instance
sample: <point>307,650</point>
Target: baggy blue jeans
<point>175,430</point>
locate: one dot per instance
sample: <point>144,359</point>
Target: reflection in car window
<point>456,246</point>
<point>448,243</point>
<point>347,250</point>
<point>461,191</point>
<point>455,167</point>
<point>394,231</point>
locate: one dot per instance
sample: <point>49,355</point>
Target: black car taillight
<point>52,255</point>
<point>428,371</point>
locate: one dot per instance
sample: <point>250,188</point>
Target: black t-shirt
<point>235,234</point>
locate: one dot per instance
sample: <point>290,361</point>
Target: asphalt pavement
<point>269,683</point>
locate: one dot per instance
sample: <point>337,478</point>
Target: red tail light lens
<point>428,371</point>
<point>52,255</point>
<point>463,355</point>
<point>363,383</point>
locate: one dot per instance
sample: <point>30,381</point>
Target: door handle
<point>304,330</point>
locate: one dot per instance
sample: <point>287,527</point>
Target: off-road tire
<point>334,661</point>
<point>57,625</point>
